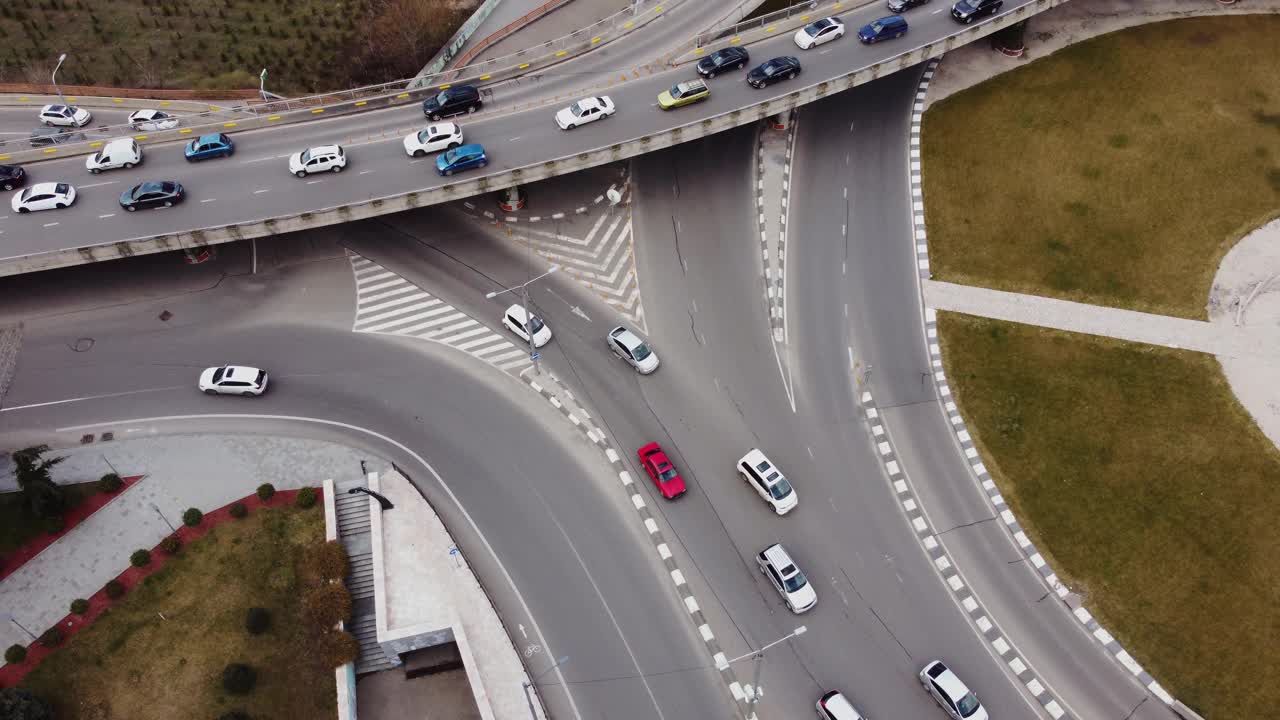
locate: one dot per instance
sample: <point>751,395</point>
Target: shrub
<point>79,606</point>
<point>266,491</point>
<point>306,498</point>
<point>192,517</point>
<point>51,637</point>
<point>140,558</point>
<point>328,560</point>
<point>327,605</point>
<point>234,715</point>
<point>15,654</point>
<point>115,589</point>
<point>239,679</point>
<point>238,510</point>
<point>171,544</point>
<point>53,524</point>
<point>110,483</point>
<point>19,704</point>
<point>257,620</point>
<point>336,648</point>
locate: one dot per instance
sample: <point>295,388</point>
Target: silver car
<point>629,347</point>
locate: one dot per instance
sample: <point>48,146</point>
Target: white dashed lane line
<point>50,224</point>
<point>109,182</point>
<point>208,200</point>
<point>259,192</point>
<point>103,217</point>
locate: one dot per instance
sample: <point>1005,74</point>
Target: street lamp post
<point>528,319</point>
<point>531,683</point>
<point>54,78</point>
<point>758,655</point>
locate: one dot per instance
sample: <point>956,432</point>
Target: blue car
<point>460,158</point>
<point>210,146</point>
<point>893,26</point>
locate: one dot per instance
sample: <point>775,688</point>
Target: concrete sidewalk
<point>1213,338</point>
<point>182,471</point>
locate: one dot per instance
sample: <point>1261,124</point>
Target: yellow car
<point>685,93</point>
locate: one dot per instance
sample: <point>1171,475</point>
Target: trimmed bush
<point>53,524</point>
<point>306,498</point>
<point>110,483</point>
<point>171,544</point>
<point>115,589</point>
<point>192,517</point>
<point>19,704</point>
<point>239,679</point>
<point>15,654</point>
<point>335,648</point>
<point>79,606</point>
<point>266,491</point>
<point>140,558</point>
<point>238,511</point>
<point>327,560</point>
<point>234,715</point>
<point>51,637</point>
<point>327,605</point>
<point>257,620</point>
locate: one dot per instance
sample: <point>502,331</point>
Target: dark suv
<point>45,136</point>
<point>721,60</point>
<point>12,176</point>
<point>453,101</point>
<point>966,11</point>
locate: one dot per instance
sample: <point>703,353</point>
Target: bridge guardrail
<point>497,181</point>
<point>343,102</point>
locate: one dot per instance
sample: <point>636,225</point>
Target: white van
<point>767,480</point>
<point>119,153</point>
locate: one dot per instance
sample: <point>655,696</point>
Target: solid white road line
<point>108,182</point>
<point>88,397</point>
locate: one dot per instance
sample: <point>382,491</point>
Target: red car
<point>664,474</point>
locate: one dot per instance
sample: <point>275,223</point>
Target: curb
<point>601,441</point>
<point>775,294</point>
<point>1043,571</point>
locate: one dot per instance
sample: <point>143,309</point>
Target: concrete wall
<point>499,180</point>
<point>344,677</point>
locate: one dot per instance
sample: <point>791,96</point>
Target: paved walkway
<point>1213,338</point>
<point>182,471</point>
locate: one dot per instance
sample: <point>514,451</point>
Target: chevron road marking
<point>390,305</point>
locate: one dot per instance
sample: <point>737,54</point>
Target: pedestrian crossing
<point>390,305</point>
<point>600,258</point>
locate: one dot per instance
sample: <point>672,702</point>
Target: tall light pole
<point>528,319</point>
<point>54,78</point>
<point>530,683</point>
<point>754,696</point>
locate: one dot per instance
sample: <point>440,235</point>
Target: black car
<point>779,68</point>
<point>966,11</point>
<point>734,58</point>
<point>45,136</point>
<point>897,6</point>
<point>452,101</point>
<point>12,176</point>
<point>165,193</point>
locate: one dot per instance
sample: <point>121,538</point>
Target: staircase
<point>353,533</point>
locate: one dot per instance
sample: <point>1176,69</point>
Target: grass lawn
<point>18,525</point>
<point>159,653</point>
<point>1117,171</point>
<point>1149,487</point>
<point>306,45</point>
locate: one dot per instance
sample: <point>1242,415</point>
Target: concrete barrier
<point>500,180</point>
<point>100,101</point>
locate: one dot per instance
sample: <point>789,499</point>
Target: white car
<point>954,696</point>
<point>817,33</point>
<point>433,138</point>
<point>152,120</point>
<point>325,158</point>
<point>631,349</point>
<point>835,706</point>
<point>233,380</point>
<point>514,319</point>
<point>65,116</point>
<point>786,578</point>
<point>584,111</point>
<point>43,196</point>
<point>768,481</point>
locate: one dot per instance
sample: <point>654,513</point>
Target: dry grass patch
<point>1117,171</point>
<point>160,653</point>
<point>1149,487</point>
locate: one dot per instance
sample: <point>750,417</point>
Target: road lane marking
<point>246,162</point>
<point>108,182</point>
<point>82,398</point>
<point>208,200</point>
<point>102,217</point>
<point>259,192</point>
<point>50,224</point>
<point>514,138</point>
<point>365,172</point>
<point>313,182</point>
